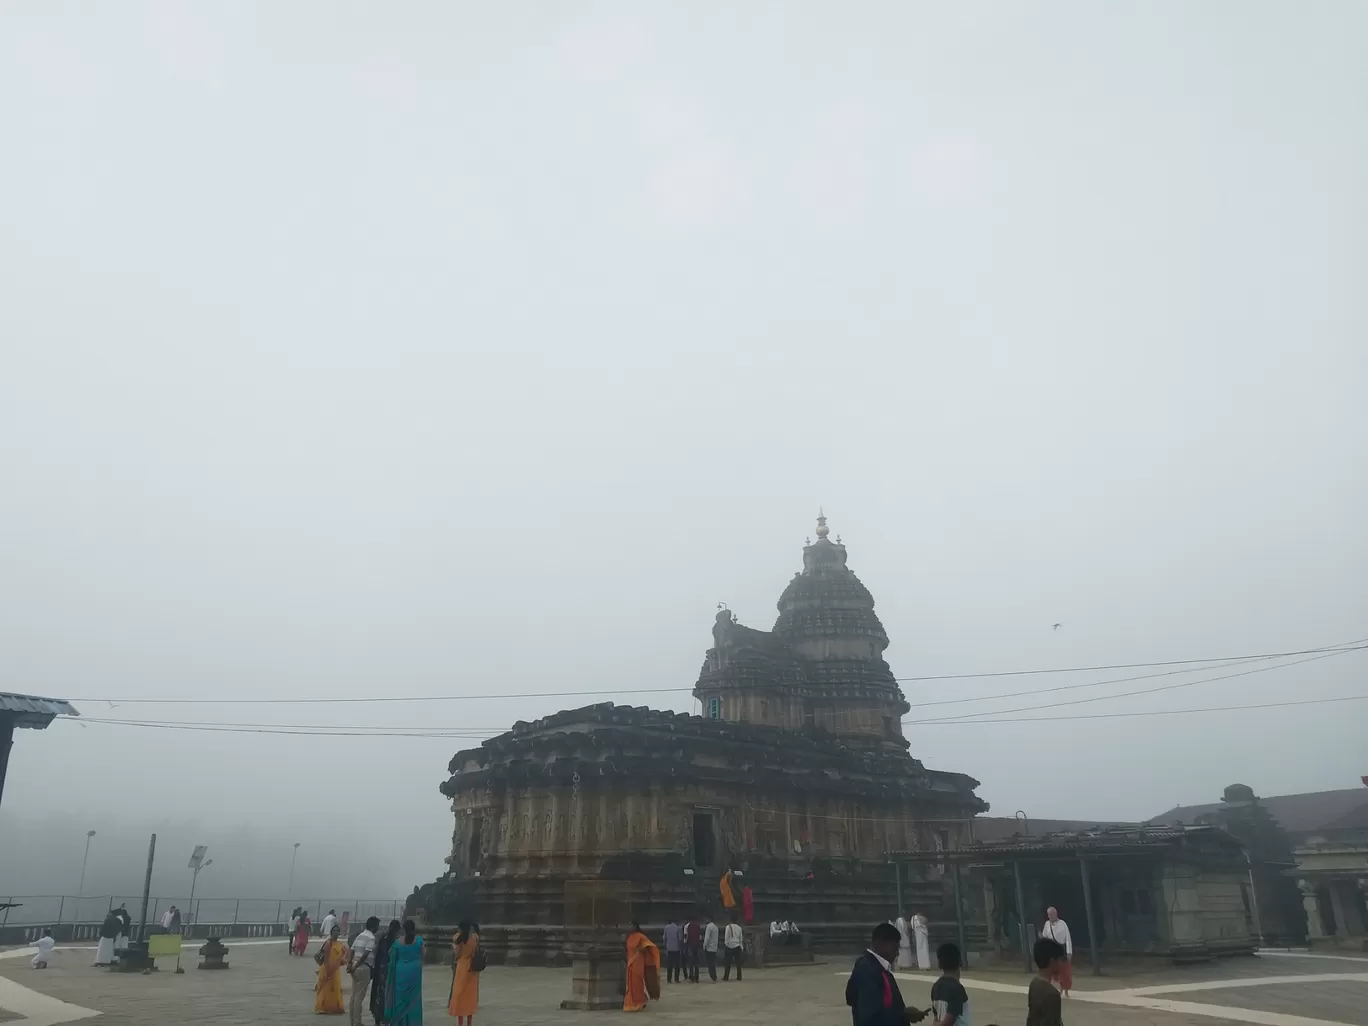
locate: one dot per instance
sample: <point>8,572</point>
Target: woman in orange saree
<point>724,887</point>
<point>328,990</point>
<point>464,1001</point>
<point>643,971</point>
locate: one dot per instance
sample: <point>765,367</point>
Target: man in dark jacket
<point>872,992</point>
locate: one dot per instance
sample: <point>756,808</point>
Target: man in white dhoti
<point>904,925</point>
<point>109,930</point>
<point>922,935</point>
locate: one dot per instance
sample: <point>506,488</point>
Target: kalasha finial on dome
<point>822,529</point>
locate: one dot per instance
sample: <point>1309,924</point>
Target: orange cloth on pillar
<point>725,886</point>
<point>643,957</point>
<point>465,984</point>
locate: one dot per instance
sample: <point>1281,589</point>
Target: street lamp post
<point>289,891</point>
<point>84,859</point>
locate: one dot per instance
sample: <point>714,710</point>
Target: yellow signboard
<point>164,945</point>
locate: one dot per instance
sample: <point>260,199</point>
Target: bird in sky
<point>1055,626</point>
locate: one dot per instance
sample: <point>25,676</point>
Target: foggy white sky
<point>436,349</point>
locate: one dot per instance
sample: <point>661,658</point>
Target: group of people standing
<point>683,943</point>
<point>390,967</point>
<point>694,943</point>
<point>872,990</point>
<point>914,936</point>
<point>875,1000</point>
<point>114,933</point>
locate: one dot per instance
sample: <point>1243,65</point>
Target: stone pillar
<point>989,915</point>
<point>1348,922</point>
<point>1314,930</point>
<point>596,915</point>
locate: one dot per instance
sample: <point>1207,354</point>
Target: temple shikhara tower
<point>821,667</point>
<point>797,776</point>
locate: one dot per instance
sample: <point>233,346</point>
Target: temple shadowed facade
<point>797,775</point>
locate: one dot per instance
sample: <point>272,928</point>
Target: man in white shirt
<point>731,955</point>
<point>44,944</point>
<point>710,948</point>
<point>360,966</point>
<point>1058,931</point>
<point>329,921</point>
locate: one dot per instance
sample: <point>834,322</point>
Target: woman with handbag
<point>331,958</point>
<point>467,961</point>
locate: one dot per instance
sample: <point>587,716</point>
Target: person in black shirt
<point>1043,1006</point>
<point>949,1001</point>
<point>872,992</point>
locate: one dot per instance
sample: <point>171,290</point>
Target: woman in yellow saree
<point>643,971</point>
<point>328,990</point>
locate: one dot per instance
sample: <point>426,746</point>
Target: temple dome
<point>821,666</point>
<point>826,612</point>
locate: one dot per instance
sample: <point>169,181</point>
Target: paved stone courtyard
<point>266,985</point>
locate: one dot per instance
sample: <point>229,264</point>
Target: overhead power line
<point>298,730</point>
<point>379,699</point>
<point>416,732</point>
<point>1162,712</point>
<point>1142,691</point>
<point>467,732</point>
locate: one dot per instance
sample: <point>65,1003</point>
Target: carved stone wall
<point>667,802</point>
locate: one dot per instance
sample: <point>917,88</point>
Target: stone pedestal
<point>761,951</point>
<point>213,953</point>
<point>134,959</point>
<point>597,975</point>
<point>597,919</point>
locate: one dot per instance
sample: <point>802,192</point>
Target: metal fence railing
<point>57,909</point>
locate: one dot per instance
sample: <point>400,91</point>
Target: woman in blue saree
<point>404,983</point>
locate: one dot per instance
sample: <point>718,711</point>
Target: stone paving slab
<point>267,985</point>
<point>1337,1000</point>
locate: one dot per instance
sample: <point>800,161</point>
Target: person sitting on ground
<point>872,992</point>
<point>1043,1004</point>
<point>949,1001</point>
<point>776,930</point>
<point>44,944</point>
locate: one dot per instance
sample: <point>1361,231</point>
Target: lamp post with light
<point>80,891</point>
<point>289,891</point>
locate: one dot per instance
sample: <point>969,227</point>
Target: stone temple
<point>797,777</point>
